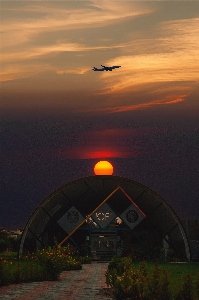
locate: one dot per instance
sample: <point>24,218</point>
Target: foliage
<point>197,286</point>
<point>8,243</point>
<point>186,291</point>
<point>147,281</point>
<point>114,262</point>
<point>5,241</point>
<point>15,272</point>
<point>45,264</point>
<point>84,259</point>
<point>157,284</point>
<point>123,279</point>
<point>9,255</point>
<point>140,254</point>
<point>84,249</point>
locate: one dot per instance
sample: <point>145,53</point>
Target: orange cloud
<point>23,35</point>
<point>167,101</point>
<point>148,104</point>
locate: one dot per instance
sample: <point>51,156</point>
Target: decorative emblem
<point>72,216</point>
<point>132,216</point>
<point>70,220</point>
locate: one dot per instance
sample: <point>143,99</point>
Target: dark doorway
<point>103,244</point>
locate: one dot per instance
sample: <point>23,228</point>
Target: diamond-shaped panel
<point>70,220</point>
<point>104,216</point>
<point>132,216</point>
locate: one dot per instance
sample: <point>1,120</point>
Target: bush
<point>124,279</point>
<point>157,285</point>
<point>197,286</point>
<point>128,282</point>
<point>143,281</point>
<point>46,264</point>
<point>19,272</point>
<point>55,260</point>
<point>84,259</point>
<point>186,291</point>
<point>114,262</point>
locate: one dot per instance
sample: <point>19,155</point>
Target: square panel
<point>70,220</point>
<point>104,216</point>
<point>132,216</point>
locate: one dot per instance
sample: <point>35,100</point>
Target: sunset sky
<point>59,117</point>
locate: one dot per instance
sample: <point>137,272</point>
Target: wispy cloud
<point>97,14</point>
<point>167,101</point>
<point>172,57</point>
<point>24,34</point>
<point>52,49</point>
<point>16,71</point>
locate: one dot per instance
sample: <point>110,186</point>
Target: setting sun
<point>103,167</point>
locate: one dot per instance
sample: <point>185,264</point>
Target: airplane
<point>104,68</point>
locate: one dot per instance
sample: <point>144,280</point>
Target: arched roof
<point>86,194</point>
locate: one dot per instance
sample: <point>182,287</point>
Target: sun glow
<point>103,167</point>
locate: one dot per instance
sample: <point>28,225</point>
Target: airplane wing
<point>110,68</point>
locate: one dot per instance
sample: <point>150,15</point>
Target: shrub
<point>157,285</point>
<point>114,262</point>
<point>46,264</point>
<point>28,271</point>
<point>129,282</point>
<point>56,259</point>
<point>124,279</point>
<point>111,277</point>
<point>84,259</point>
<point>197,286</point>
<point>5,273</point>
<point>186,291</point>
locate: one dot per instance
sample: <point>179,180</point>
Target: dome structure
<point>109,213</point>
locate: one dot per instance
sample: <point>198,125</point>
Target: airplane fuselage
<point>104,68</point>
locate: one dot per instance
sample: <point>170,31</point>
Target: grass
<point>178,276</point>
<point>176,271</point>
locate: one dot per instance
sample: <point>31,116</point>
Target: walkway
<point>84,284</point>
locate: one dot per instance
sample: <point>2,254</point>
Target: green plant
<point>127,281</point>
<point>114,262</point>
<point>84,249</point>
<point>84,259</point>
<point>197,286</point>
<point>124,279</point>
<point>45,264</point>
<point>157,284</point>
<point>186,291</point>
<point>53,261</point>
<point>111,277</point>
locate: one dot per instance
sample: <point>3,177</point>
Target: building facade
<point>112,215</point>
